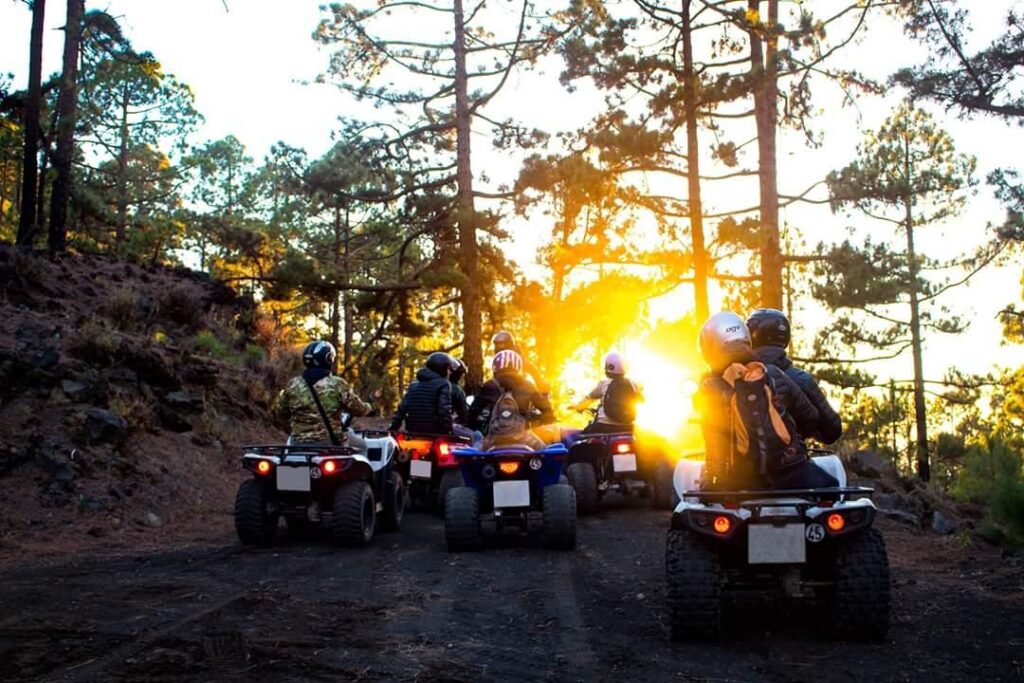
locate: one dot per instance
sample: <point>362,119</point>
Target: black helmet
<point>503,340</point>
<point>769,327</point>
<point>319,354</point>
<point>458,370</point>
<point>441,363</point>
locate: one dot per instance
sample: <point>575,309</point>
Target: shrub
<point>993,474</point>
<point>180,305</point>
<point>93,343</point>
<point>123,309</point>
<point>209,342</point>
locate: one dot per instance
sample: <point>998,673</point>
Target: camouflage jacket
<point>297,413</point>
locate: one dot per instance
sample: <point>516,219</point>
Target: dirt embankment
<point>124,394</point>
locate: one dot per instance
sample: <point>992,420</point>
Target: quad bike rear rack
<point>832,493</point>
<point>310,451</point>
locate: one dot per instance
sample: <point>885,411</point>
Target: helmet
<point>507,361</point>
<point>319,354</point>
<point>441,363</point>
<point>458,370</point>
<point>503,340</point>
<point>614,364</point>
<point>769,327</point>
<point>723,338</point>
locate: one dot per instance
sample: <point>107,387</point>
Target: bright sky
<point>247,66</point>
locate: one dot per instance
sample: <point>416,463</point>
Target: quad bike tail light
<point>836,522</point>
<point>722,524</point>
<point>264,467</point>
<point>444,454</point>
<point>509,466</point>
<point>622,447</point>
<point>329,467</point>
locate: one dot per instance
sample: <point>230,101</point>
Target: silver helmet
<point>724,338</point>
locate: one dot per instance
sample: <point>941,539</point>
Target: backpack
<point>506,420</point>
<point>762,428</point>
<point>619,401</point>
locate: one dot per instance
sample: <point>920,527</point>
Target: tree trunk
<point>121,182</point>
<point>696,210</point>
<point>346,271</point>
<point>920,414</point>
<point>67,102</point>
<point>765,68</point>
<point>30,158</point>
<point>470,294</point>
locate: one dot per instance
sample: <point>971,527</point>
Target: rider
<point>504,341</point>
<point>459,405</point>
<point>534,407</point>
<point>752,415</point>
<point>296,411</point>
<point>618,397</point>
<point>770,335</point>
<point>426,407</point>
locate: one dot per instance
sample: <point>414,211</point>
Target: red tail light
<point>444,454</point>
<point>509,466</point>
<point>329,467</point>
<point>263,467</point>
<point>836,522</point>
<point>722,524</point>
<point>622,447</point>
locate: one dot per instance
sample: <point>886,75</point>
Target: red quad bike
<point>599,463</point>
<point>428,467</point>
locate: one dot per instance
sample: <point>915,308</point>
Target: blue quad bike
<point>349,492</point>
<point>814,544</point>
<point>511,486</point>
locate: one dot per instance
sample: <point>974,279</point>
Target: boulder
<point>871,464</point>
<point>104,426</point>
<point>183,400</point>
<point>172,419</point>
<point>942,524</point>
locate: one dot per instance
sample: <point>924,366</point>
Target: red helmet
<point>507,361</point>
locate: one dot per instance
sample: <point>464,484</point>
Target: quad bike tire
<point>559,506</point>
<point>253,524</point>
<point>462,519</point>
<point>663,495</point>
<point>354,515</point>
<point>694,573</point>
<point>394,503</point>
<point>583,480</point>
<point>450,479</point>
<point>861,598</point>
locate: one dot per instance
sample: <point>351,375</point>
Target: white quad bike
<point>807,543</point>
<point>347,491</point>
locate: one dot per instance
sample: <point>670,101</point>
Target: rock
<point>104,426</point>
<point>154,520</point>
<point>44,359</point>
<point>123,375</point>
<point>75,390</point>
<point>184,400</point>
<point>172,420</point>
<point>900,515</point>
<point>941,524</point>
<point>871,464</point>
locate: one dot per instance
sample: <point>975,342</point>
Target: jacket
<point>533,405</point>
<point>426,407</point>
<point>459,405</point>
<point>296,412</point>
<point>830,426</point>
<point>712,403</point>
<point>597,394</point>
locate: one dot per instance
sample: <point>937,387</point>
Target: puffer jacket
<point>426,407</point>
<point>459,405</point>
<point>533,405</point>
<point>712,403</point>
<point>830,425</point>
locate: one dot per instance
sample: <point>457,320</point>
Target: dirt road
<point>405,609</point>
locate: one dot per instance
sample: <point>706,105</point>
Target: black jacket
<point>712,402</point>
<point>426,407</point>
<point>528,398</point>
<point>459,405</point>
<point>830,426</point>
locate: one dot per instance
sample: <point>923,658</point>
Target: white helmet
<point>614,364</point>
<point>724,338</point>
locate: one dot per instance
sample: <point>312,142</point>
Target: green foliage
<point>993,474</point>
<point>209,343</point>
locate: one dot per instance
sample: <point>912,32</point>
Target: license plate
<point>768,544</point>
<point>511,494</point>
<point>420,469</point>
<point>624,463</point>
<point>292,478</point>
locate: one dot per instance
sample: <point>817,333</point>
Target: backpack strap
<point>753,372</point>
<point>320,409</point>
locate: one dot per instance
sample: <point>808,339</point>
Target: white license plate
<point>624,463</point>
<point>292,478</point>
<point>420,469</point>
<point>768,544</point>
<point>511,494</point>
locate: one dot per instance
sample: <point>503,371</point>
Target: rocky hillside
<point>125,392</point>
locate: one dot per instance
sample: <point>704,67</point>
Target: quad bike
<point>599,463</point>
<point>511,486</point>
<point>349,492</point>
<point>428,467</point>
<point>817,544</point>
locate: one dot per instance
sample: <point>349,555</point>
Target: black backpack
<point>619,401</point>
<point>764,431</point>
